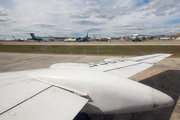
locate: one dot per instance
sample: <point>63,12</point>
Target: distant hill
<point>178,34</point>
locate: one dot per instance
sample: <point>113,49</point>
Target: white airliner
<point>64,89</point>
<point>7,39</point>
<point>19,39</point>
<point>136,37</point>
<point>70,40</point>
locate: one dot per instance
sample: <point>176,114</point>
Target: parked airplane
<point>70,40</point>
<point>77,39</point>
<point>7,39</point>
<point>136,37</point>
<point>96,38</point>
<point>19,39</point>
<point>84,39</point>
<point>41,38</point>
<point>64,89</point>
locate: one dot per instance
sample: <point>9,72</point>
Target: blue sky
<point>174,21</point>
<point>109,18</point>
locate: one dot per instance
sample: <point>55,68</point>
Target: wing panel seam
<point>121,67</point>
<point>148,57</point>
<point>25,100</point>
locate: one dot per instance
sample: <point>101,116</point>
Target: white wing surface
<point>23,98</point>
<point>127,67</point>
<point>151,59</point>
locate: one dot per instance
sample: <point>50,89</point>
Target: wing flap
<point>24,98</point>
<point>52,104</point>
<point>16,90</point>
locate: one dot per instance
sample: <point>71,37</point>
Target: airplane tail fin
<point>13,37</point>
<point>32,35</point>
<point>87,35</point>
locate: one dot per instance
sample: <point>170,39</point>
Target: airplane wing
<point>127,67</point>
<point>24,98</point>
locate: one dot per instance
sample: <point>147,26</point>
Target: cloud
<point>104,16</point>
<point>91,2</point>
<point>53,13</point>
<point>4,19</point>
<point>124,26</point>
<point>164,3</point>
<point>147,14</point>
<point>3,12</point>
<point>4,15</point>
<point>100,12</point>
<point>174,11</point>
<point>44,25</point>
<point>90,30</point>
<point>164,7</point>
<point>159,12</point>
<point>129,29</point>
<point>79,15</point>
<point>157,7</point>
<point>142,17</point>
<point>146,8</point>
<point>88,22</point>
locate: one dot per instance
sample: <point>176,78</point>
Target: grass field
<point>92,50</point>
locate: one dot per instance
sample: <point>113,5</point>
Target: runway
<point>164,76</point>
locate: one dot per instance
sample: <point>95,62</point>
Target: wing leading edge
<point>128,67</point>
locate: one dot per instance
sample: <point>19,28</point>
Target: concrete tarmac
<point>113,42</point>
<point>164,76</point>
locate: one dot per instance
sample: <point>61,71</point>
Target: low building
<point>165,38</point>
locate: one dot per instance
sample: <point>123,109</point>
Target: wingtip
<point>168,55</point>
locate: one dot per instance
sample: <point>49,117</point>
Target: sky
<point>75,18</point>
